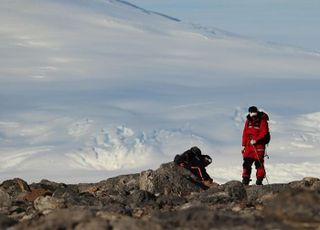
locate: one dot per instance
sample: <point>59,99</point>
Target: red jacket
<point>255,128</point>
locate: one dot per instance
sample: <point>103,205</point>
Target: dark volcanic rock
<point>16,188</point>
<point>117,208</point>
<point>299,207</point>
<point>83,219</point>
<point>125,183</point>
<point>48,203</point>
<point>141,198</point>
<point>35,193</point>
<point>66,219</point>
<point>5,200</point>
<point>171,201</point>
<point>47,185</point>
<point>73,197</point>
<point>6,222</point>
<point>256,194</point>
<point>204,218</point>
<point>167,198</point>
<point>170,179</point>
<point>309,183</point>
<point>69,195</point>
<point>235,189</point>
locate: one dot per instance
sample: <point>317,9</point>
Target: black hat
<point>195,150</point>
<point>253,109</point>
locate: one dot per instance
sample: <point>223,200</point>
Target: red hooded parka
<point>256,128</point>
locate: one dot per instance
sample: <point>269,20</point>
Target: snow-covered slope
<point>91,89</point>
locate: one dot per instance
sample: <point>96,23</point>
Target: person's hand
<point>243,148</point>
<point>253,142</point>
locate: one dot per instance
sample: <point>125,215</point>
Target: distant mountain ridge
<point>147,11</point>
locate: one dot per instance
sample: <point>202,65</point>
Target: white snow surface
<point>94,89</point>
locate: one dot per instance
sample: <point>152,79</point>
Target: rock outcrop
<point>167,198</point>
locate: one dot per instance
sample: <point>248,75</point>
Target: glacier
<point>93,89</point>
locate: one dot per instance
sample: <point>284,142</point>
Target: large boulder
<point>35,193</point>
<point>46,204</point>
<point>170,179</point>
<point>16,188</point>
<point>140,198</point>
<point>83,219</point>
<point>205,218</point>
<point>123,182</point>
<point>261,194</point>
<point>65,219</point>
<point>73,197</point>
<point>309,183</point>
<point>299,207</point>
<point>6,222</point>
<point>235,189</point>
<point>5,200</point>
<point>230,192</point>
<point>47,185</point>
<point>171,201</point>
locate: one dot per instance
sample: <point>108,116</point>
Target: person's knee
<point>247,163</point>
<point>258,163</point>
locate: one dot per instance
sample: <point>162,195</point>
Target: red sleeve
<point>244,134</point>
<point>264,129</point>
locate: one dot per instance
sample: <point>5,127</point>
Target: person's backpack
<point>267,138</point>
<point>193,157</point>
<point>178,159</point>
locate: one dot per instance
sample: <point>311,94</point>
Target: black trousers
<point>247,165</point>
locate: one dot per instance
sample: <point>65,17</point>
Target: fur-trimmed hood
<point>261,116</point>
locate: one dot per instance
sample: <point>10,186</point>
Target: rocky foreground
<point>167,198</point>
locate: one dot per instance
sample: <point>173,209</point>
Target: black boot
<point>245,180</point>
<point>259,181</point>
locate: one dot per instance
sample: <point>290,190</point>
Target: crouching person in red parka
<point>254,139</point>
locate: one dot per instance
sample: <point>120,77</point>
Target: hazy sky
<point>292,22</point>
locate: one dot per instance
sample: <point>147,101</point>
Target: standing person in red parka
<point>254,139</point>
